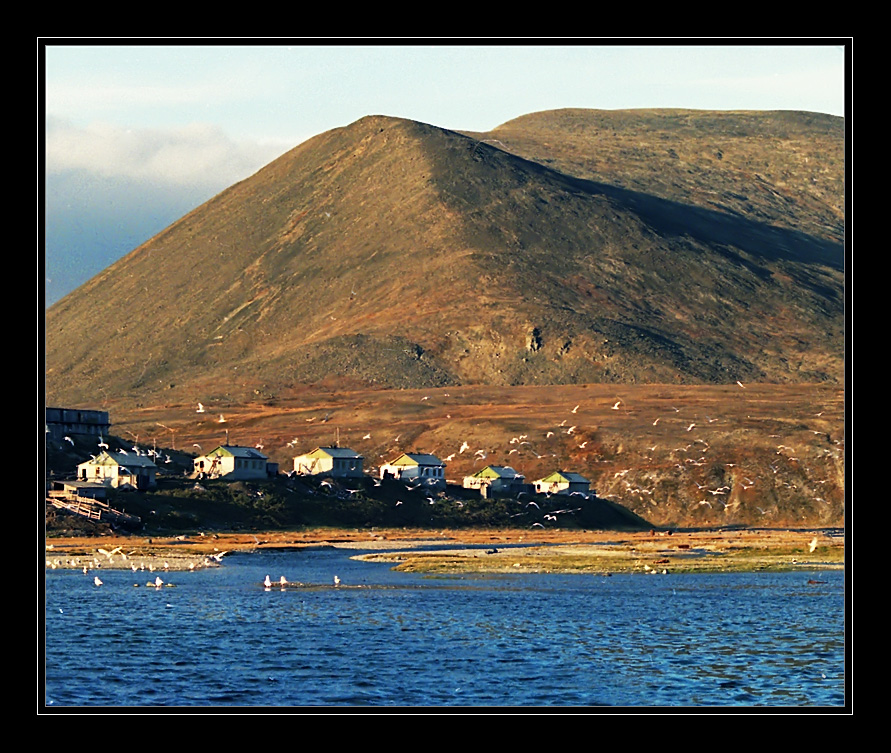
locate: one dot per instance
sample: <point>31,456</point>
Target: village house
<point>495,480</point>
<point>119,469</point>
<point>234,463</point>
<point>562,482</point>
<point>338,462</point>
<point>421,468</point>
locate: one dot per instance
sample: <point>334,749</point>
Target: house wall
<point>307,466</point>
<point>117,476</point>
<point>414,472</point>
<point>244,468</point>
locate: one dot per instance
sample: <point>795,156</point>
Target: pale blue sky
<point>185,121</point>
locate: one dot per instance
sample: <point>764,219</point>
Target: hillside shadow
<point>706,226</point>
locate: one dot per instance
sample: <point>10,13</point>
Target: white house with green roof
<point>562,482</point>
<point>495,479</point>
<point>232,462</point>
<point>119,469</point>
<point>338,462</point>
<point>420,467</point>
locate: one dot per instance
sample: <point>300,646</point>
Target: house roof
<point>497,471</point>
<point>409,459</point>
<point>566,477</point>
<point>333,452</point>
<point>121,458</point>
<point>236,451</point>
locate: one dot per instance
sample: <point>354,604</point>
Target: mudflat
<point>478,550</point>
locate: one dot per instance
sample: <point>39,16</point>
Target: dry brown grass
<point>778,448</point>
<point>506,550</point>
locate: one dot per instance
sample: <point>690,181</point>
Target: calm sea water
<point>388,639</point>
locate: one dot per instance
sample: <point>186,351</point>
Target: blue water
<point>388,639</point>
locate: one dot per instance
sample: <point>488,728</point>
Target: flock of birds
<point>686,457</point>
<point>105,558</point>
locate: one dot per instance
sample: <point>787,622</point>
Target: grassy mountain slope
<point>397,254</point>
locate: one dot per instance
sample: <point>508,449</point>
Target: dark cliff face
<point>562,248</point>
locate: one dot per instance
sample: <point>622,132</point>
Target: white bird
<point>549,434</point>
<point>367,436</point>
<point>464,446</point>
<point>616,406</point>
<point>283,581</point>
<point>267,582</point>
<point>200,408</point>
<point>575,410</point>
<point>812,545</point>
<point>336,581</point>
<point>740,384</point>
<point>222,419</point>
<point>655,422</point>
<point>158,582</point>
<point>102,444</point>
<point>96,581</point>
<point>68,439</point>
<point>690,427</point>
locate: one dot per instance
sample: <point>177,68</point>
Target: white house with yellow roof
<point>418,467</point>
<point>338,462</point>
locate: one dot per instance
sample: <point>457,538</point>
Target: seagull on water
<point>267,582</point>
<point>96,581</point>
<point>336,581</point>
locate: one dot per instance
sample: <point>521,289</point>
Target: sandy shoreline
<point>478,550</point>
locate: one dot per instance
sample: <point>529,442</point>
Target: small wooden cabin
<point>119,469</point>
<point>562,482</point>
<point>419,467</point>
<point>338,462</point>
<point>495,480</point>
<point>232,462</point>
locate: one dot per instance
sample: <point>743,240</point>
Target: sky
<point>132,136</point>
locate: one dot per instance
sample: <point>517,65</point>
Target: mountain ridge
<point>397,253</point>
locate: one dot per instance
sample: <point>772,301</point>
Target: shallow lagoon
<point>218,638</point>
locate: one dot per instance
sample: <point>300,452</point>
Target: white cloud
<point>193,155</point>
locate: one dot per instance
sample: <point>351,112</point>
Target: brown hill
<point>563,248</point>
